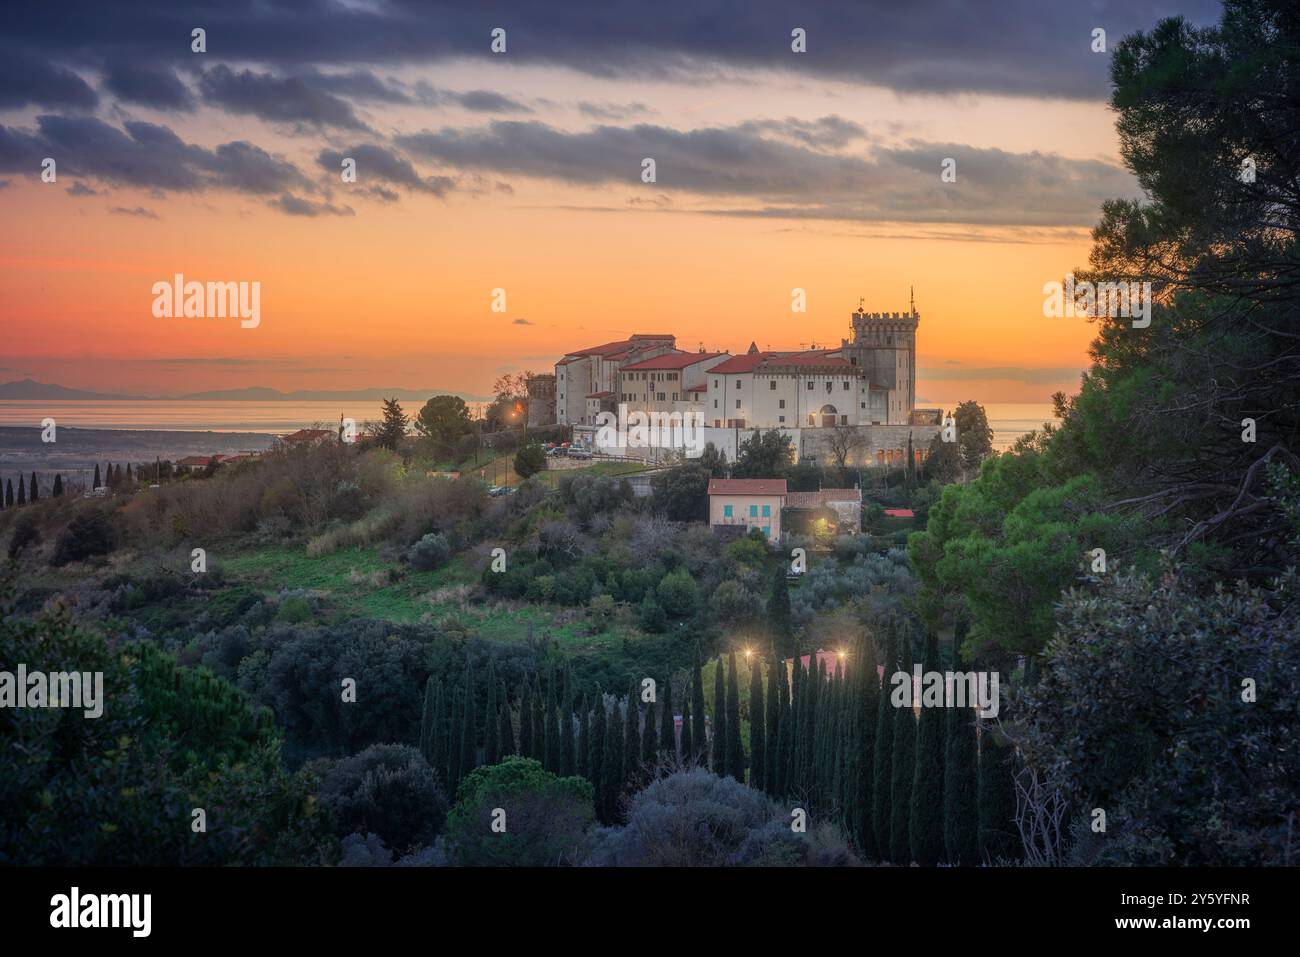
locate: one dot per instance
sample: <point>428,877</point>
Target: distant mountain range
<point>31,390</point>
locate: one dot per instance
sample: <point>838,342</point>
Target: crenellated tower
<point>883,345</point>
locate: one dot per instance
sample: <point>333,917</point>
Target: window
<point>737,403</point>
<point>780,418</point>
<point>767,511</point>
<point>767,531</point>
<point>753,511</point>
<point>810,385</point>
<point>864,405</point>
<point>829,386</point>
<point>737,383</point>
<point>771,384</point>
<point>726,513</point>
<point>715,403</point>
<point>781,403</point>
<point>846,385</point>
<point>715,383</point>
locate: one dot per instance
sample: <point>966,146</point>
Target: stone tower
<point>883,345</point>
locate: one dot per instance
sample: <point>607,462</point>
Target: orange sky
<point>398,294</point>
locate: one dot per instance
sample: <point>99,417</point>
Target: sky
<point>522,171</point>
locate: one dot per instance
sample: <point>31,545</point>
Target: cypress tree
<point>526,721</point>
<point>867,706</point>
<point>491,744</point>
<point>596,759</point>
<point>34,488</point>
<point>505,727</point>
<point>772,719</point>
<point>128,472</point>
<point>882,776</point>
<point>551,729</point>
<point>96,482</point>
<point>925,825</point>
<point>539,723</point>
<point>960,783</point>
<point>9,494</point>
<point>780,625</point>
<point>612,767</point>
<point>456,734</point>
<point>442,735</point>
<point>632,732</point>
<point>735,746</point>
<point>649,740</point>
<point>469,730</point>
<point>688,746</point>
<point>789,731</point>
<point>757,733</point>
<point>582,760</point>
<point>22,490</point>
<point>699,731</point>
<point>58,485</point>
<point>568,756</point>
<point>998,837</point>
<point>902,768</point>
<point>718,750</point>
<point>428,718</point>
<point>667,726</point>
<point>813,689</point>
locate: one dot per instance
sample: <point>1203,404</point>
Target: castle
<point>867,384</point>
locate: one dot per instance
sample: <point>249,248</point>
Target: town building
<point>753,503</point>
<point>671,382</point>
<point>541,400</point>
<point>586,381</point>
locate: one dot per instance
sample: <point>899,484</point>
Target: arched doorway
<point>828,415</point>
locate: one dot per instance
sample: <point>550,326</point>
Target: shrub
<point>26,532</point>
<point>530,460</point>
<point>388,790</point>
<point>430,552</point>
<point>677,594</point>
<point>546,816</point>
<point>89,533</point>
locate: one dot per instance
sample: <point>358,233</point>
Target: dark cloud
<point>27,80</point>
<point>358,85</point>
<point>81,189</point>
<point>6,183</point>
<point>485,101</point>
<point>147,86</point>
<point>134,211</point>
<point>828,132</point>
<point>1018,47</point>
<point>521,322</point>
<point>279,99</point>
<point>296,206</point>
<point>612,111</point>
<point>147,156</point>
<point>380,163</point>
<point>789,180</point>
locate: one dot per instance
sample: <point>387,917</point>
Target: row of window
<point>771,384</point>
<point>654,376</point>
<point>753,512</point>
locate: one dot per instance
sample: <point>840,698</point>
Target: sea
<point>91,432</point>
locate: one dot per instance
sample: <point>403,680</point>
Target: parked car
<point>578,452</point>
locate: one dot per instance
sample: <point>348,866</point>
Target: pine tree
<point>582,760</point>
<point>882,777</point>
<point>780,625</point>
<point>612,767</point>
<point>925,825</point>
<point>57,492</point>
<point>699,731</point>
<point>22,490</point>
<point>491,745</point>
<point>632,733</point>
<point>596,759</point>
<point>757,732</point>
<point>96,482</point>
<point>998,839</point>
<point>902,770</point>
<point>718,750</point>
<point>735,746</point>
<point>568,756</point>
<point>772,720</point>
<point>667,726</point>
<point>34,488</point>
<point>526,748</point>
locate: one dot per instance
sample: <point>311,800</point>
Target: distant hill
<point>30,389</point>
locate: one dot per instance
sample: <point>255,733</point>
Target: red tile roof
<point>900,513</point>
<point>747,486</point>
<point>824,497</point>
<point>600,395</point>
<point>745,363</point>
<point>698,388</point>
<point>671,360</point>
<point>306,435</point>
<point>752,361</point>
<point>612,350</point>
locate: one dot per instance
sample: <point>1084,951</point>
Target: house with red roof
<point>666,382</point>
<point>586,380</point>
<point>752,503</point>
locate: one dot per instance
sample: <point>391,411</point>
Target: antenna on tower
<point>912,291</point>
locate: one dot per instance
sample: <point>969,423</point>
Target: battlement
<point>898,316</point>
